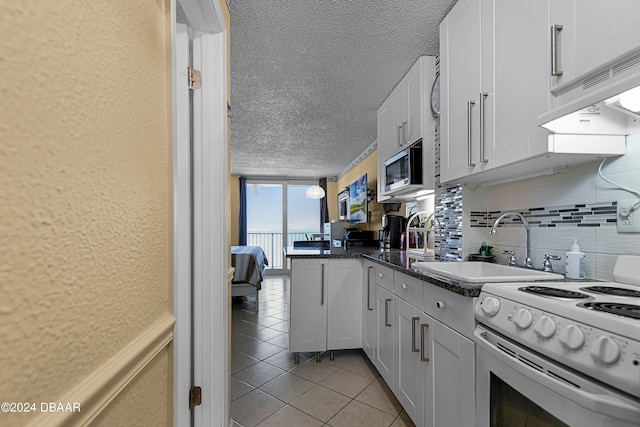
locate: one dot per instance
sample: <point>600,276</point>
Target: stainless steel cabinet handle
<point>470,104</point>
<point>369,289</point>
<point>399,136</point>
<point>414,320</point>
<point>404,133</point>
<point>322,284</point>
<point>483,97</point>
<point>386,312</point>
<point>555,29</point>
<point>423,328</point>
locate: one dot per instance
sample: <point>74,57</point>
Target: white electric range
<point>570,350</point>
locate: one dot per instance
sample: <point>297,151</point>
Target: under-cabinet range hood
<point>606,102</point>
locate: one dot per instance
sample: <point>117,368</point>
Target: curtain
<point>242,221</point>
<point>324,208</point>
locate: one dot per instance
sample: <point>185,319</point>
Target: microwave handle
<point>595,401</point>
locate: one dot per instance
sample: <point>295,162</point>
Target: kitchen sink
<point>483,272</point>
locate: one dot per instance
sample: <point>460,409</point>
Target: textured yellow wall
<point>85,218</point>
<point>370,167</point>
<point>141,402</point>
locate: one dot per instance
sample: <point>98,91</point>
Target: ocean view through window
<point>276,209</point>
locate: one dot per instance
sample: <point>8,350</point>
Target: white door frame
<point>209,302</point>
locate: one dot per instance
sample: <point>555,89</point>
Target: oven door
<point>516,387</point>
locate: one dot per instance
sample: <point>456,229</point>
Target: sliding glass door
<point>278,213</point>
<point>265,219</point>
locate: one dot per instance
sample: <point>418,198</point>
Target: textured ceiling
<point>307,77</point>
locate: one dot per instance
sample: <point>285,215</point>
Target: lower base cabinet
<point>325,304</point>
<point>429,366</point>
<point>368,311</point>
<point>413,371</point>
<point>453,366</point>
<point>385,335</point>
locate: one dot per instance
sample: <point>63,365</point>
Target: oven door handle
<point>597,402</point>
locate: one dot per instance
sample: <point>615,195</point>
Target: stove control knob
<point>545,327</point>
<point>605,350</point>
<point>571,337</point>
<point>523,318</point>
<point>490,306</point>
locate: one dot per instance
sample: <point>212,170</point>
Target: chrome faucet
<point>527,262</point>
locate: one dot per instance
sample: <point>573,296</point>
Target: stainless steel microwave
<point>403,172</point>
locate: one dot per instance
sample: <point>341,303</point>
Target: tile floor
<point>268,389</point>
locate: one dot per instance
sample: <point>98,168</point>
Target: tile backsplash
<point>448,211</point>
<point>580,215</point>
<point>574,204</point>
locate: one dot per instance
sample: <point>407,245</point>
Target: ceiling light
<point>314,192</point>
<point>631,99</point>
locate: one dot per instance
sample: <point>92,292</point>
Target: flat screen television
<point>358,200</point>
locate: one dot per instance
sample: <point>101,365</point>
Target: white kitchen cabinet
<point>400,118</point>
<point>412,368</point>
<point>494,85</point>
<point>385,334</point>
<point>325,304</point>
<point>344,288</point>
<point>460,87</point>
<point>593,35</point>
<point>386,142</point>
<point>495,65</point>
<point>422,345</point>
<point>453,359</point>
<point>308,305</point>
<point>404,118</point>
<point>368,309</point>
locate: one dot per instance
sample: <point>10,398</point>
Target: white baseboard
<point>101,387</point>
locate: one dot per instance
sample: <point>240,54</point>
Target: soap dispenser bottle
<point>575,262</point>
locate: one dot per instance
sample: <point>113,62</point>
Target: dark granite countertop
<point>395,258</point>
<point>398,260</point>
<point>290,252</point>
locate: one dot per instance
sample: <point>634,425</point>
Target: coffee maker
<point>392,228</point>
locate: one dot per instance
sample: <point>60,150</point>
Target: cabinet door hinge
<point>195,397</point>
<point>195,78</point>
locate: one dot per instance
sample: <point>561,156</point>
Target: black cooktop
<point>626,310</point>
<point>554,292</point>
<point>613,290</point>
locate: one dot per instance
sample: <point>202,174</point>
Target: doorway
<point>200,243</point>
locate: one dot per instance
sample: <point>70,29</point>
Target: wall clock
<point>435,97</point>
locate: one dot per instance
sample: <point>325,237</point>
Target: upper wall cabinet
<point>594,55</point>
<point>490,102</point>
<point>586,35</point>
<point>495,84</point>
<point>404,118</point>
